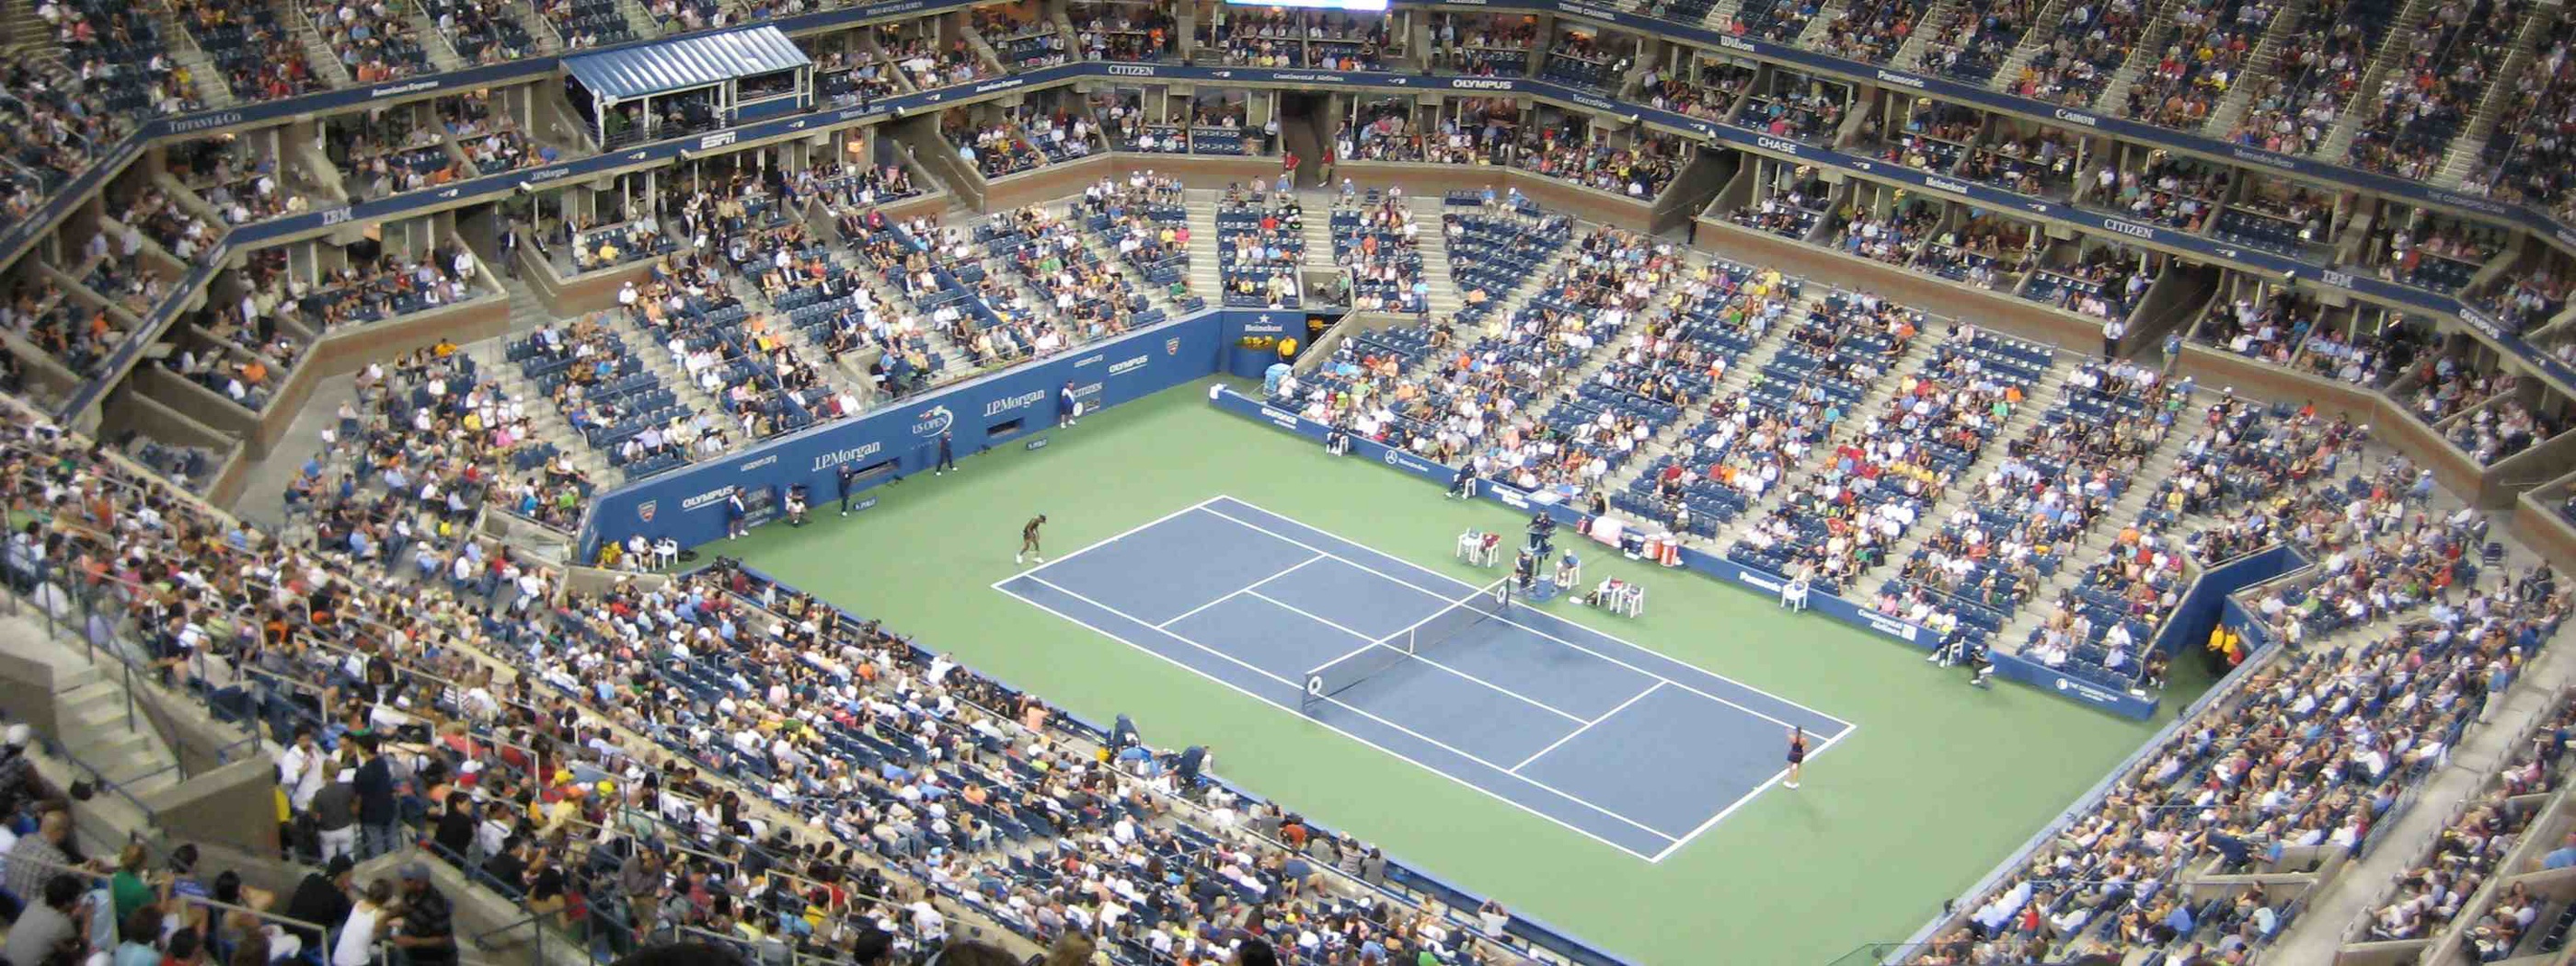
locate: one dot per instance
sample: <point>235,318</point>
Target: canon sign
<point>2077,117</point>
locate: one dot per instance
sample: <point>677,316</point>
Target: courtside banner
<point>902,437</point>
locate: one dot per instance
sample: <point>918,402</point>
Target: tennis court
<point>1610,740</point>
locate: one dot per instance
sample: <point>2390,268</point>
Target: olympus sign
<point>709,498</point>
<point>1479,84</point>
<point>1125,366</point>
<point>2129,228</point>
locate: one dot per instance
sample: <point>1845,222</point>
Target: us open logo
<point>644,511</point>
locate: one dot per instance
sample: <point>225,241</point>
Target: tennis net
<point>1341,673</point>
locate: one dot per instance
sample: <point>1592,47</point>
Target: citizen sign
<point>2129,228</point>
<point>1130,70</point>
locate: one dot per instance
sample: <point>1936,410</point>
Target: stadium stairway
<point>1962,489</point>
<point>91,710</point>
<point>656,354</point>
<point>527,312</point>
<point>1108,255</point>
<point>1916,355</point>
<point>1442,301</point>
<point>1318,215</point>
<point>1910,55</point>
<point>2466,152</point>
<point>2264,62</point>
<point>893,300</point>
<point>639,19</point>
<point>1205,278</point>
<point>1739,376</point>
<point>2105,529</point>
<point>840,378</point>
<point>2393,51</point>
<point>2114,98</point>
<point>2042,33</point>
<point>211,84</point>
<point>491,356</point>
<point>1812,36</point>
<point>317,51</point>
<point>1720,13</point>
<point>442,51</point>
<point>538,27</point>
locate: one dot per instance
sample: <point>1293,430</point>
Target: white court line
<point>1419,588</point>
<point>1776,778</point>
<point>1587,726</point>
<point>1374,642</point>
<point>1113,538</point>
<point>1310,719</point>
<point>1246,590</point>
<point>1426,739</point>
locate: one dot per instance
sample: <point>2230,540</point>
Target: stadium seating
<point>1260,242</point>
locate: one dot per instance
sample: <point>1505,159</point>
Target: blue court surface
<point>1606,738</point>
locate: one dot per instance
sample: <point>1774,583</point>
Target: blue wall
<point>689,504</point>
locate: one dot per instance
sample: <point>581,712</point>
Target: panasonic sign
<point>1901,80</point>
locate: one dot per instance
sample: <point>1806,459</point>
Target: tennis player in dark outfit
<point>1797,752</point>
<point>1029,540</point>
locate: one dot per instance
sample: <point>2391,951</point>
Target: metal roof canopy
<point>628,73</point>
